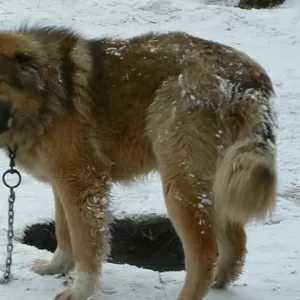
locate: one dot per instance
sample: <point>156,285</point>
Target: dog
<point>84,114</point>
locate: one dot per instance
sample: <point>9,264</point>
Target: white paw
<point>84,286</point>
<point>66,295</point>
<point>61,262</point>
<point>42,267</point>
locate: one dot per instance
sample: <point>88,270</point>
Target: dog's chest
<point>32,165</point>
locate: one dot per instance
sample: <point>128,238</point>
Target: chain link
<point>11,213</point>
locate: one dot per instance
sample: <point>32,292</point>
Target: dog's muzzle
<point>6,120</point>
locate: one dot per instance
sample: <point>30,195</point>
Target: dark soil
<point>248,4</point>
<point>149,242</point>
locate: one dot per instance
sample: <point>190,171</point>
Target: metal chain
<point>11,201</point>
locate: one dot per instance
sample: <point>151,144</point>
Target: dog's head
<point>21,82</point>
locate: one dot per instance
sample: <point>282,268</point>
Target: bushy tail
<point>246,182</point>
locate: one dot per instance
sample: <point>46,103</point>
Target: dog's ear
<point>28,74</point>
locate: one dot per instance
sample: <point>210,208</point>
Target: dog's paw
<point>42,267</point>
<point>67,295</point>
<point>84,286</point>
<point>61,262</point>
<point>45,267</point>
<point>218,285</point>
<point>71,294</point>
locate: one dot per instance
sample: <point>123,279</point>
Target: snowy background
<point>272,37</point>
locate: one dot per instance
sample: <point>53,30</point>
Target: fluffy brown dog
<point>87,113</point>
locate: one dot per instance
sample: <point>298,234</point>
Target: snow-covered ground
<point>272,37</point>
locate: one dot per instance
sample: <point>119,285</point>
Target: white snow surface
<point>272,37</point>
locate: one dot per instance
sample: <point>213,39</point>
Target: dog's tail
<point>246,181</point>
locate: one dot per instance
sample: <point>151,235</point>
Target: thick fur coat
<point>88,113</point>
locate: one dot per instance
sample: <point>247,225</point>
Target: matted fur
<point>88,113</point>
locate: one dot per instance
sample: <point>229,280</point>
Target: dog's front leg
<point>62,261</point>
<point>83,196</point>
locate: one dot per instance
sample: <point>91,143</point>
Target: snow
<point>272,37</point>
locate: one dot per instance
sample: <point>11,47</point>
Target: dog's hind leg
<point>232,251</point>
<point>194,222</point>
<point>62,260</point>
<point>186,154</point>
<point>187,195</point>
